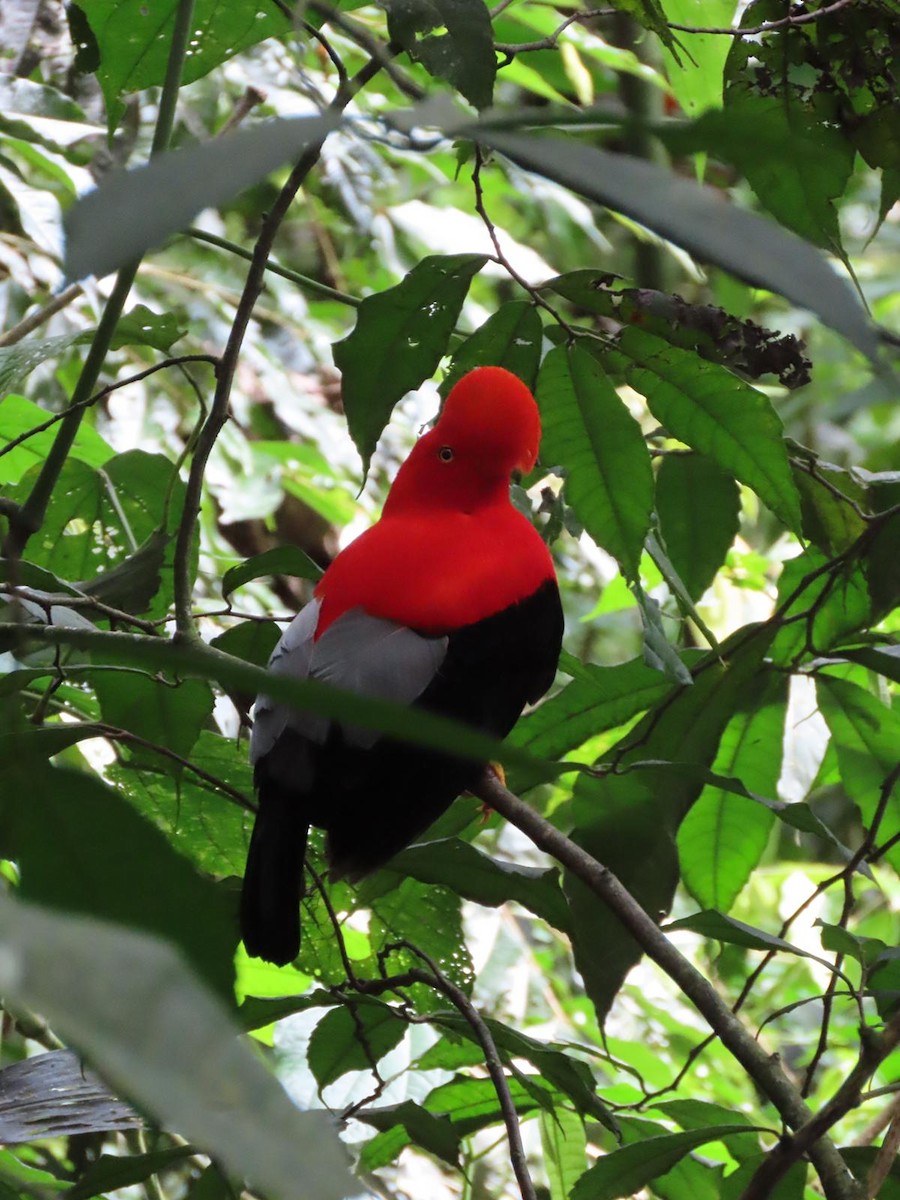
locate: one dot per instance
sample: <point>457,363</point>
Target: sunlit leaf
<point>590,433</point>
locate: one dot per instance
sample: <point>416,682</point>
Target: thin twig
<point>767,26</point>
<point>511,49</point>
<point>36,319</point>
<point>104,391</point>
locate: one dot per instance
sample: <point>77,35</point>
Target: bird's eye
<point>445,454</point>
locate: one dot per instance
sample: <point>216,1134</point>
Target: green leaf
<point>133,583</point>
<point>797,164</point>
<point>398,340</point>
<point>354,1037</point>
<point>403,1125</point>
<point>144,327</point>
<point>18,416</point>
<point>163,1039</point>
<point>600,698</point>
<point>463,56</point>
<point>572,1077</point>
<point>280,560</point>
<point>723,837</point>
<point>110,1172</point>
<point>827,496</point>
<point>866,735</point>
<point>630,1168</point>
<point>253,641</point>
<point>831,606</point>
<point>564,1149</point>
<point>104,860</point>
<point>713,411</point>
<point>698,506</point>
<point>589,431</point>
<point>201,815</point>
<point>628,819</point>
<point>163,712</point>
<point>133,41</point>
<point>698,219</point>
<point>696,74</point>
<point>717,927</point>
<point>510,338</point>
<point>476,876</point>
<point>97,520</point>
<point>139,208</point>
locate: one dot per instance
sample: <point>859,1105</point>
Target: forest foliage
<point>245,251</point>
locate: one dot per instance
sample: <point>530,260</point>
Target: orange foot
<point>486,809</point>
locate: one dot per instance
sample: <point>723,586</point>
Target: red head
<point>489,427</point>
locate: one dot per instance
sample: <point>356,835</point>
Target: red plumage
<point>448,603</point>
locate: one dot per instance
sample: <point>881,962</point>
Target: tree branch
<point>218,414</point>
<point>762,1068</point>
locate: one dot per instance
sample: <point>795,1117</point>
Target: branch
<point>874,1050</point>
<point>768,26</point>
<point>763,1069</point>
<point>218,415</point>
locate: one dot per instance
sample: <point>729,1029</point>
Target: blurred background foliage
<point>714,454</point>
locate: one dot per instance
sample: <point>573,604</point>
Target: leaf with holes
<point>398,340</point>
<point>463,56</point>
<point>510,338</point>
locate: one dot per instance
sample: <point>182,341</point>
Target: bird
<point>448,603</point>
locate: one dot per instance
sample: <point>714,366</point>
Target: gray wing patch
<point>376,658</point>
<point>290,657</point>
<point>359,653</point>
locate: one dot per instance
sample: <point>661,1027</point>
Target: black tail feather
<point>273,880</point>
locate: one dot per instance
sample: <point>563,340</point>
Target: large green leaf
<point>797,164</point>
<point>132,40</point>
<point>405,1124</point>
<point>83,849</point>
<point>630,1168</point>
<point>698,219</point>
<point>207,823</point>
<point>280,560</point>
<point>485,880</point>
<point>698,506</point>
<point>462,56</point>
<point>510,338</point>
<point>98,520</point>
<point>163,712</point>
<point>398,340</point>
<point>353,1038</point>
<point>564,1148</point>
<point>833,604</point>
<point>597,699</point>
<point>627,818</point>
<point>591,434</point>
<point>723,837</point>
<point>713,411</point>
<point>133,1010</point>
